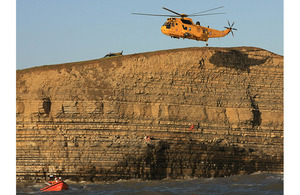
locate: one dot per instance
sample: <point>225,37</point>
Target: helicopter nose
<point>163,29</point>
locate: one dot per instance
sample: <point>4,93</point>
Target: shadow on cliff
<point>190,159</point>
<point>235,59</point>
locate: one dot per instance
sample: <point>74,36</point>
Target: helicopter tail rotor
<point>230,27</point>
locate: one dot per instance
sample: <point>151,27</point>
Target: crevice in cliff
<point>256,121</point>
<point>47,105</point>
<point>158,164</point>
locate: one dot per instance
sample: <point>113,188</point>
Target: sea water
<point>258,183</point>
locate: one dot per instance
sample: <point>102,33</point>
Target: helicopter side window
<point>186,21</point>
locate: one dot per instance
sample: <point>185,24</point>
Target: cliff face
<point>88,120</point>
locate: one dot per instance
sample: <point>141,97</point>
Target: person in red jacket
<point>192,128</point>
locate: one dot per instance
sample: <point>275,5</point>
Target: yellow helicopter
<point>180,26</point>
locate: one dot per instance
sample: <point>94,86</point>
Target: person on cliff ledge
<point>192,128</point>
<point>147,138</point>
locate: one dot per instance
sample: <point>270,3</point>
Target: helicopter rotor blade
<point>205,14</point>
<point>171,11</point>
<point>182,15</point>
<point>207,10</point>
<point>230,28</point>
<point>154,14</point>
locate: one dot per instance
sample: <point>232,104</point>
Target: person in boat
<point>54,181</point>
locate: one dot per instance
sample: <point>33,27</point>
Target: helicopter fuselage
<point>185,28</point>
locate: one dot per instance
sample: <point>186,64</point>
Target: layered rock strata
<point>208,111</point>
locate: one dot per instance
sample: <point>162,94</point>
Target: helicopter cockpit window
<point>186,21</point>
<point>167,24</point>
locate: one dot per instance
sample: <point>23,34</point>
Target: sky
<point>61,31</point>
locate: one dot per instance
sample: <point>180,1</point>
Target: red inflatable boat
<point>55,186</point>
